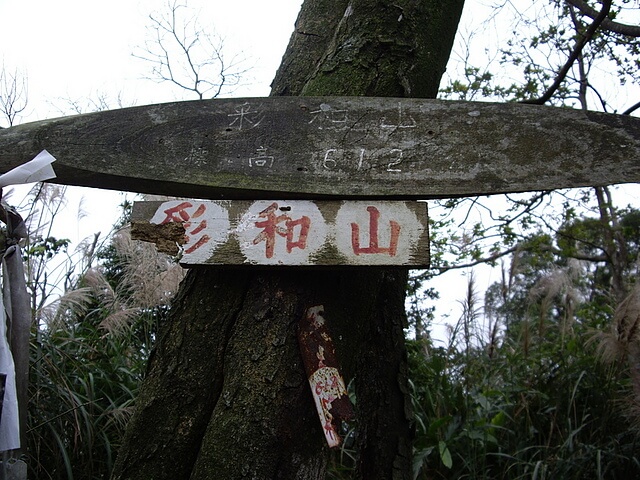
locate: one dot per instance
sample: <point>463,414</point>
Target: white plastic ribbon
<point>36,170</point>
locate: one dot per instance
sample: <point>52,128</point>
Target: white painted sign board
<point>288,233</point>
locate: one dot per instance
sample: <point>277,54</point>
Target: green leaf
<point>418,459</point>
<point>445,454</point>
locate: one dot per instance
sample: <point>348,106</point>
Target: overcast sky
<point>77,48</point>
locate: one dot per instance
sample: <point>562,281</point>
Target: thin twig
<point>63,414</point>
<point>577,50</point>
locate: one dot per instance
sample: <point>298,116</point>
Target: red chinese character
<point>271,226</point>
<point>329,430</point>
<point>374,217</point>
<point>180,213</point>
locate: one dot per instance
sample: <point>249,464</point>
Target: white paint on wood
<point>281,233</point>
<point>298,232</point>
<point>206,226</point>
<point>375,233</point>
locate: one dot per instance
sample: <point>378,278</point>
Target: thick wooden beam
<point>326,147</point>
<point>286,233</point>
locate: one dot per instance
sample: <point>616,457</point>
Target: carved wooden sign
<point>288,233</point>
<point>332,147</point>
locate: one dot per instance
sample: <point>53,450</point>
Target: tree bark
<point>226,394</point>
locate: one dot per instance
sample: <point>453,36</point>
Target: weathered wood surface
<point>288,233</point>
<point>330,147</point>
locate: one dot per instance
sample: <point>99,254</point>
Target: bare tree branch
<point>631,109</point>
<point>13,94</point>
<point>607,24</point>
<point>182,53</point>
<point>583,81</point>
<point>577,50</point>
<point>99,101</point>
<point>491,258</point>
<point>503,253</point>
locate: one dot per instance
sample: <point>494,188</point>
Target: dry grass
<point>149,279</point>
<point>623,338</point>
<point>558,288</point>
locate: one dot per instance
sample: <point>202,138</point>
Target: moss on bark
<point>184,379</point>
<point>313,31</point>
<point>388,48</point>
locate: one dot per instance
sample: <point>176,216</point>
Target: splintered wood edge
<point>167,237</point>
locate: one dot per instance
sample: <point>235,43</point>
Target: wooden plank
<point>313,148</point>
<point>285,232</point>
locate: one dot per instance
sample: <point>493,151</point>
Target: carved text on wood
<point>333,148</point>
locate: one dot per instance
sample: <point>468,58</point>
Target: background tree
<point>554,52</point>
<point>527,395</point>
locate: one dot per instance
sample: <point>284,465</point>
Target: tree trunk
<point>614,243</point>
<point>226,395</point>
